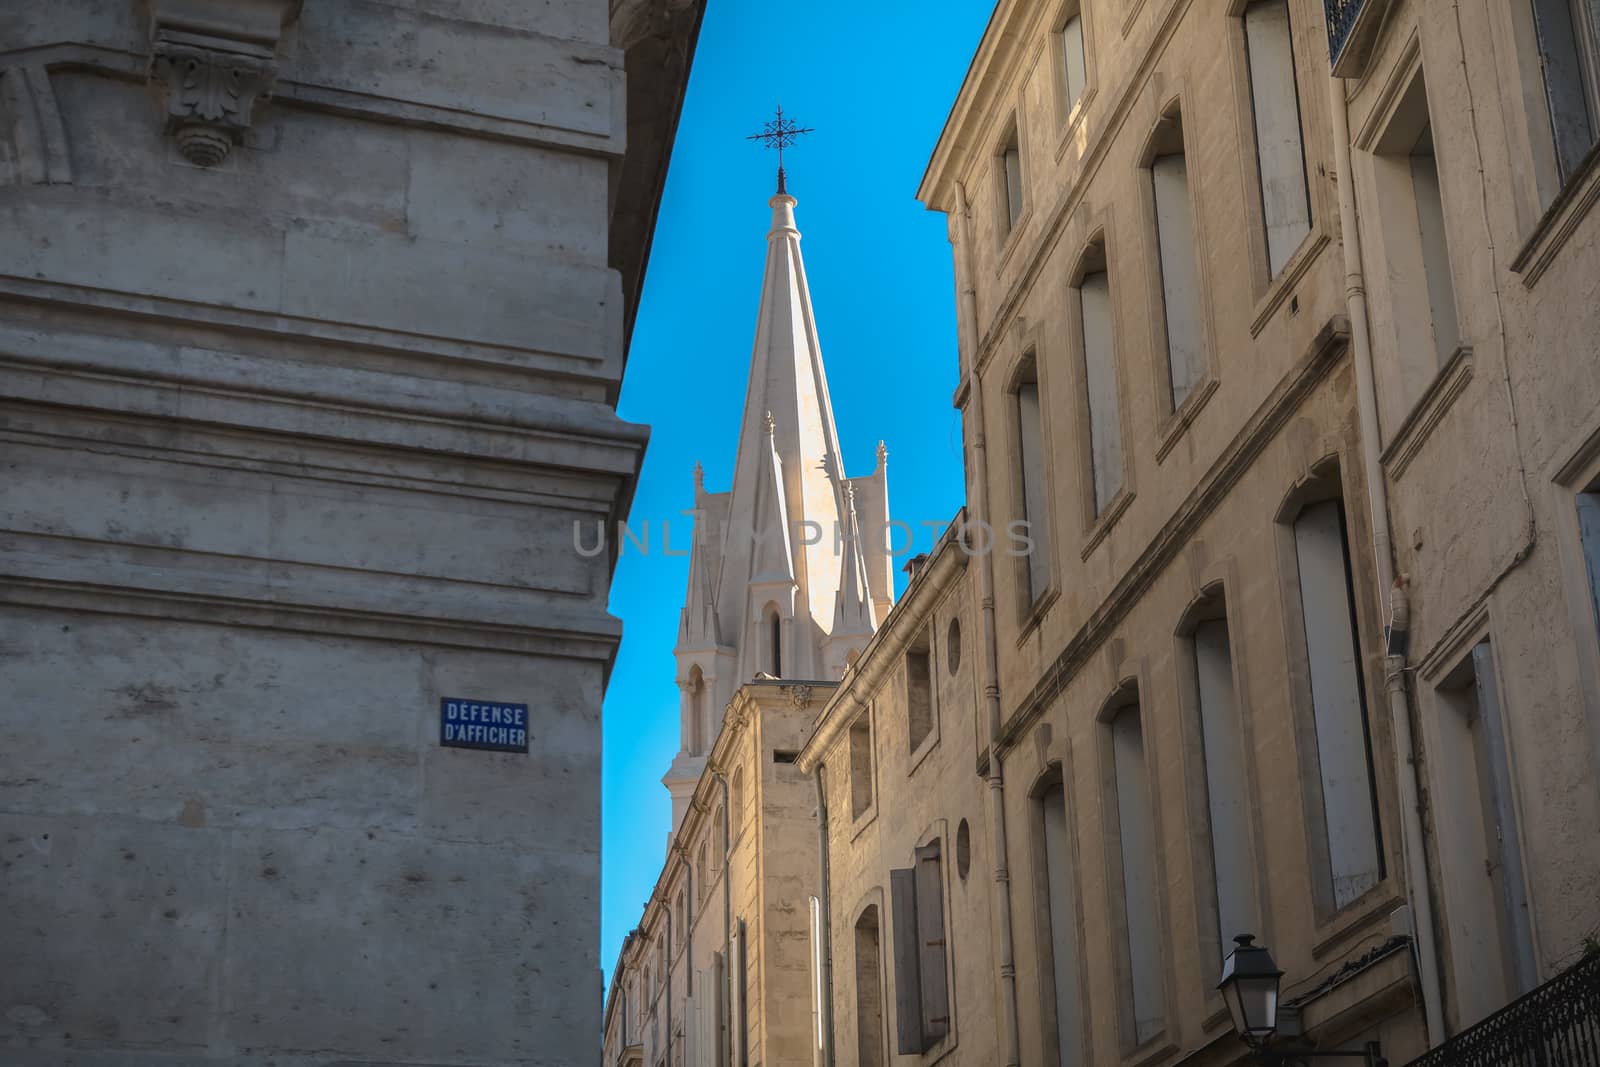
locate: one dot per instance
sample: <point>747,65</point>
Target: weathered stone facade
<point>1489,417</point>
<point>312,322</point>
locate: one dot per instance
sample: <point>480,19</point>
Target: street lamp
<point>1250,981</point>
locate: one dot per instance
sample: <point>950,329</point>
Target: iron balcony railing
<point>1556,1025</point>
<point>1342,15</point>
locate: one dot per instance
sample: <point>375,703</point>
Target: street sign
<point>491,727</point>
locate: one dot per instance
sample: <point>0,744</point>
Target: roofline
<point>968,108</point>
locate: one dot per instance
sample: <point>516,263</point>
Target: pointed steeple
<point>791,536</point>
<point>698,626</point>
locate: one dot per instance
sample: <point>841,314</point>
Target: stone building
<point>789,575</point>
<point>1472,133</point>
<point>312,322</point>
<point>1289,378</point>
<point>1174,694</point>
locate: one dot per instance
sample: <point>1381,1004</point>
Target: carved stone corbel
<point>216,59</point>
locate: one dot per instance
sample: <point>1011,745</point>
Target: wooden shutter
<point>907,983</point>
<point>931,946</point>
<point>717,1014</point>
<point>737,1014</point>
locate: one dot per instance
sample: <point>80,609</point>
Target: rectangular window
<point>1136,847</point>
<point>1488,907</point>
<point>738,1018</point>
<point>919,693</point>
<point>1060,941</point>
<point>1435,247</point>
<point>1338,701</point>
<point>860,766</point>
<point>1100,380</point>
<point>1011,175</point>
<point>1569,54</point>
<point>1075,67</point>
<point>1280,150</point>
<point>922,996</point>
<point>1035,509</point>
<point>1589,530</point>
<point>1180,279</point>
<point>1223,770</point>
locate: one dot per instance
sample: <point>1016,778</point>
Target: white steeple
<point>790,573</point>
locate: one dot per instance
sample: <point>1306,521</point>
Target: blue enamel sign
<point>483,725</point>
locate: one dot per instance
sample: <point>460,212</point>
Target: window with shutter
<point>931,945</point>
<point>907,982</point>
<point>737,1016</point>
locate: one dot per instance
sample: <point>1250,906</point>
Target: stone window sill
<point>1560,222</point>
<point>1172,430</point>
<point>1108,518</point>
<point>1428,413</point>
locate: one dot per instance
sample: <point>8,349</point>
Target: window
<point>919,692</point>
<point>681,918</point>
<point>1569,52</point>
<point>1280,151</point>
<point>737,808</point>
<point>1486,902</point>
<point>1074,63</point>
<point>952,647</point>
<point>1222,768</point>
<point>739,1012</point>
<point>1435,247</point>
<point>1180,277</point>
<point>1058,913</point>
<point>861,765</point>
<point>696,727</point>
<point>1033,482</point>
<point>1338,702</point>
<point>702,873</point>
<point>922,1001</point>
<point>870,1048</point>
<point>1589,531</point>
<point>1100,382</point>
<point>1406,221</point>
<point>1135,843</point>
<point>1009,175</point>
<point>772,637</point>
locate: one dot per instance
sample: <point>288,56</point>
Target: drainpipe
<point>824,1057</point>
<point>1418,887</point>
<point>727,911</point>
<point>1004,950</point>
<point>688,938</point>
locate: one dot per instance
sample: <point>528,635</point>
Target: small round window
<point>963,850</point>
<point>952,645</point>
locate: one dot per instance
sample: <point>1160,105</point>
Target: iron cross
<point>779,133</point>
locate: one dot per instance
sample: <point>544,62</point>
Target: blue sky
<point>876,80</point>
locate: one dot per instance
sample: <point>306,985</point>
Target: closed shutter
<point>907,983</point>
<point>717,1010</point>
<point>737,1014</point>
<point>931,946</point>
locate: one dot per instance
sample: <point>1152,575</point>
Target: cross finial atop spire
<point>779,133</point>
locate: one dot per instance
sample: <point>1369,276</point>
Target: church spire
<point>793,549</point>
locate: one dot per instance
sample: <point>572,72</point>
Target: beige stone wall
<point>765,880</point>
<point>1484,455</point>
<point>1209,493</point>
<point>919,794</point>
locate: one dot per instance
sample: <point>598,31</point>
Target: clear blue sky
<point>876,80</point>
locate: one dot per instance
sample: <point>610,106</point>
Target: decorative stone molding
<point>216,59</point>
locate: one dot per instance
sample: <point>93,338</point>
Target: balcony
<point>1352,31</point>
<point>1556,1025</point>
